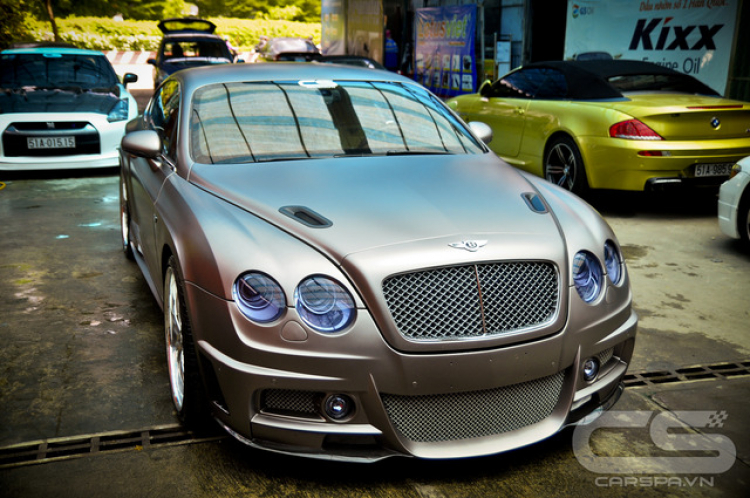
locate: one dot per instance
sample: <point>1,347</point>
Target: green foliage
<point>15,24</point>
<point>107,34</point>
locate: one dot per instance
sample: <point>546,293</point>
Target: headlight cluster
<point>322,303</point>
<point>119,112</point>
<point>588,274</point>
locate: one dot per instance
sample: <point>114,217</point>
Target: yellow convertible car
<point>618,124</point>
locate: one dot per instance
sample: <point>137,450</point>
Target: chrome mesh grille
<point>455,416</point>
<point>474,300</point>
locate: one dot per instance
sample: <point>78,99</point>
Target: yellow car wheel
<point>563,165</point>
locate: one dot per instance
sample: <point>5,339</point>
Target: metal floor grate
<point>56,449</point>
<point>716,371</point>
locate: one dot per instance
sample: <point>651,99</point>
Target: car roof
<point>589,79</point>
<point>280,71</point>
<point>53,50</point>
<point>40,44</point>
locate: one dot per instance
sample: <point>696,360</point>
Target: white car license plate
<point>51,143</point>
<point>713,169</point>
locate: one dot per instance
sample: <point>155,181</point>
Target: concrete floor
<point>82,358</point>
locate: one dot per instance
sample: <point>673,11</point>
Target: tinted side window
<point>519,85</point>
<point>554,86</point>
<point>531,83</point>
<point>164,112</point>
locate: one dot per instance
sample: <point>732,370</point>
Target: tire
<point>743,220</point>
<point>127,247</point>
<point>186,387</point>
<point>563,165</point>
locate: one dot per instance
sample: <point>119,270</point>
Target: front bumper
<point>103,137</point>
<point>268,391</point>
<point>730,194</point>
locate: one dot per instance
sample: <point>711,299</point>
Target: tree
<point>51,15</point>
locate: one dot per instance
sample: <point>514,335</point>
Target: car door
<point>504,107</point>
<point>148,175</point>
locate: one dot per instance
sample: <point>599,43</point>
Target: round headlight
<point>587,276</point>
<point>613,262</point>
<point>259,297</point>
<point>323,304</point>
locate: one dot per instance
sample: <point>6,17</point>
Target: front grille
<point>15,143</point>
<point>455,416</point>
<point>473,300</point>
<point>46,126</point>
<point>289,402</point>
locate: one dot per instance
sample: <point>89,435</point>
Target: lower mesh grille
<point>449,417</point>
<point>605,356</point>
<point>289,402</point>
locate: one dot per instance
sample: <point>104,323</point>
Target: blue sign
<point>445,49</point>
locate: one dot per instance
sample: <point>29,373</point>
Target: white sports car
<point>734,203</point>
<point>61,108</point>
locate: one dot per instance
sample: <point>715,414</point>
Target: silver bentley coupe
<point>348,272</point>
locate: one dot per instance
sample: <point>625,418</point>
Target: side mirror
<point>129,78</point>
<point>143,143</point>
<point>151,61</point>
<point>486,89</point>
<point>482,131</point>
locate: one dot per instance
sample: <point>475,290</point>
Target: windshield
<point>265,121</point>
<point>184,50</point>
<point>291,45</point>
<point>54,70</point>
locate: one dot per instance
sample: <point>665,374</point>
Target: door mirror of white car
<point>482,131</point>
<point>129,78</point>
<point>142,143</point>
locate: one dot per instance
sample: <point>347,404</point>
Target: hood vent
<point>306,216</point>
<point>534,202</point>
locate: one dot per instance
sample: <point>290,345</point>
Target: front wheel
<point>184,378</point>
<point>563,166</point>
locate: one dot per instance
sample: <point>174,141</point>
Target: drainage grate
<point>717,371</point>
<point>56,449</point>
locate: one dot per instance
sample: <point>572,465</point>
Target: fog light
<point>590,369</point>
<point>338,406</point>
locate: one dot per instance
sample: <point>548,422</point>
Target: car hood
<point>346,206</point>
<point>100,101</point>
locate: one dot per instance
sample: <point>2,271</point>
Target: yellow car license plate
<point>721,169</point>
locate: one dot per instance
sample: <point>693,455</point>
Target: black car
<point>188,42</point>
